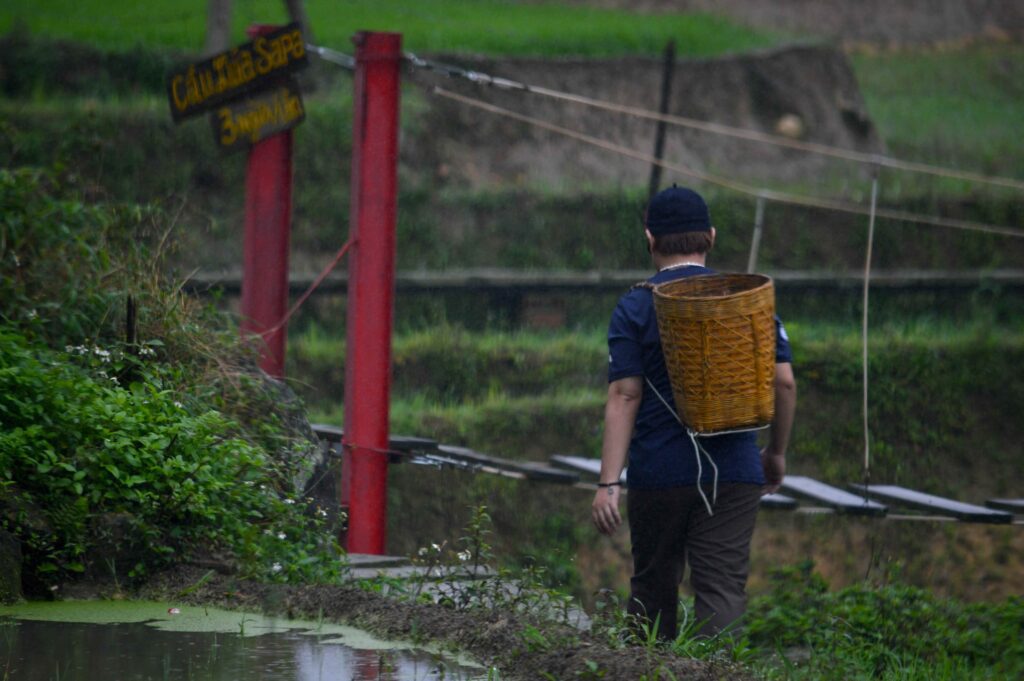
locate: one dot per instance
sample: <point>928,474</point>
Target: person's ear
<point>650,240</point>
<point>712,237</point>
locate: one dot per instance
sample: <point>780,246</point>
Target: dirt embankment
<point>806,92</point>
<point>494,637</point>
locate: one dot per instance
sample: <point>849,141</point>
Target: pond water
<point>146,641</point>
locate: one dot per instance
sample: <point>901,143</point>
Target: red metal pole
<point>268,215</point>
<point>371,287</point>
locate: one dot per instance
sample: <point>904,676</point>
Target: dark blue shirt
<point>661,453</point>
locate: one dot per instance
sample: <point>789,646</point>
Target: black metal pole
<point>659,136</point>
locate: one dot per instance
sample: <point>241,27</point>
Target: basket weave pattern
<point>718,338</point>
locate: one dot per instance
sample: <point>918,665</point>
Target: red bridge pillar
<point>268,219</point>
<point>371,287</point>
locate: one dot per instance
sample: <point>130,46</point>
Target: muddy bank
<point>518,645</point>
<point>807,92</point>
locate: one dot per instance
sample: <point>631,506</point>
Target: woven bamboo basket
<point>718,338</point>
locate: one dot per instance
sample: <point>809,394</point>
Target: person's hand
<point>605,509</point>
<point>774,464</point>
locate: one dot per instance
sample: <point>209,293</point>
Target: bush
<point>893,631</point>
<point>132,445</point>
<point>132,470</point>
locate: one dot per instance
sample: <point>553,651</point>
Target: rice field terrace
<point>160,467</point>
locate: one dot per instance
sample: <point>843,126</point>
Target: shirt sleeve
<point>783,352</point>
<point>625,350</point>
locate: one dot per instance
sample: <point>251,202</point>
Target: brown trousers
<point>670,527</point>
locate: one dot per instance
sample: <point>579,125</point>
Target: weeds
<point>892,631</point>
<point>134,445</point>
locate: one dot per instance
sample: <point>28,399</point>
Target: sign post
<point>255,104</point>
<point>268,220</point>
<point>371,288</point>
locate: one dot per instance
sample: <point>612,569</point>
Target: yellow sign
<point>250,120</point>
<point>208,84</point>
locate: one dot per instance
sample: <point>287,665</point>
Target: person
<point>674,518</point>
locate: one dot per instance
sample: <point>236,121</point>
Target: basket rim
<point>661,292</point>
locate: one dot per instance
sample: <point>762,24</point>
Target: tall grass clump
<point>135,430</point>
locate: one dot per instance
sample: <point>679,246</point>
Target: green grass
<point>963,108</point>
<point>889,631</point>
<point>488,26</point>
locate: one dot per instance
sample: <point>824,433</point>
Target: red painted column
<point>371,287</point>
<point>268,216</point>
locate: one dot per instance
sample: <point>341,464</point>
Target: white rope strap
<point>697,449</point>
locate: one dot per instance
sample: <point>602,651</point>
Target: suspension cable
<point>778,197</point>
<point>715,128</point>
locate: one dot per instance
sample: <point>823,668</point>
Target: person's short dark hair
<point>683,243</point>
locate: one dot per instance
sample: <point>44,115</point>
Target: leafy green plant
<point>889,631</point>
<point>133,469</point>
<point>129,441</point>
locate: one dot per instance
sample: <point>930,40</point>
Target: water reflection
<point>62,651</point>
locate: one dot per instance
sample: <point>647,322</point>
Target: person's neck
<point>663,262</point>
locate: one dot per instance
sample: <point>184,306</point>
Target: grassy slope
<point>960,108</point>
<point>489,26</point>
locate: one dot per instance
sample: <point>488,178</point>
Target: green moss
<point>201,619</point>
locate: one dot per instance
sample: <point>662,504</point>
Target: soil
<point>493,637</point>
<point>810,87</point>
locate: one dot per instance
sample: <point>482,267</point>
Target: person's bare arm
<point>619,416</point>
<point>773,457</point>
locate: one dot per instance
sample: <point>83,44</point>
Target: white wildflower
<point>289,501</point>
<point>422,552</point>
<point>276,567</point>
<point>464,556</point>
<point>282,535</point>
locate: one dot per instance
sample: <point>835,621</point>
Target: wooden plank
<point>1011,505</point>
<point>592,468</point>
<point>895,494</point>
<point>203,86</point>
<point>841,500</point>
<point>779,502</point>
<point>581,464</point>
<point>244,122</point>
<point>530,469</point>
<point>398,443</point>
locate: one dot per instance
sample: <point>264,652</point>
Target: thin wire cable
<point>333,56</point>
<point>864,331</point>
<point>309,291</point>
<point>778,197</point>
<point>718,128</point>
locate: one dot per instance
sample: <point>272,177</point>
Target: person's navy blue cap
<point>675,210</point>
